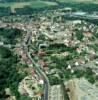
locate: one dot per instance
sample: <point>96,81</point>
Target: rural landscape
<point>48,49</point>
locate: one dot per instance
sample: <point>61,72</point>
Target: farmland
<point>33,4</point>
<point>79,1</point>
<point>38,4</point>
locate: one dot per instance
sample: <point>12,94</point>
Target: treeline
<point>5,11</point>
<point>80,6</point>
<point>30,10</point>
<point>23,0</point>
<point>94,21</point>
<point>3,1</point>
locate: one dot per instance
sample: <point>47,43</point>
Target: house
<point>42,63</point>
<point>76,63</point>
<point>41,53</point>
<point>87,34</point>
<point>69,67</point>
<point>41,81</point>
<point>77,22</point>
<point>1,43</point>
<point>78,50</point>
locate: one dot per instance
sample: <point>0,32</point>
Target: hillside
<point>14,0</point>
<point>79,1</point>
<point>37,4</point>
<point>90,1</point>
<point>29,6</point>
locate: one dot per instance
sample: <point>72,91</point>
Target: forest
<point>9,64</point>
<point>9,36</point>
<point>9,76</point>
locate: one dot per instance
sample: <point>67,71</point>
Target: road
<point>24,46</point>
<point>36,66</point>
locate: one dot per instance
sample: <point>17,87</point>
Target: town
<point>57,53</point>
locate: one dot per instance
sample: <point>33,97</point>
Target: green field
<point>40,4</point>
<point>33,4</point>
<point>79,1</point>
<point>15,5</point>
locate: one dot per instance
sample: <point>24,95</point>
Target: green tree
<point>9,76</point>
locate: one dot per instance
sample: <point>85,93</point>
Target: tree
<point>9,77</point>
<point>79,73</point>
<point>79,35</point>
<point>4,52</point>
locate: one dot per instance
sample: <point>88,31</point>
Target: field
<point>33,4</point>
<point>38,4</point>
<point>15,5</point>
<point>41,4</point>
<point>79,1</point>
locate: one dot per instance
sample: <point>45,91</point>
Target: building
<point>81,89</point>
<point>56,93</point>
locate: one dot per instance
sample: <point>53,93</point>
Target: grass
<point>79,1</point>
<point>33,4</point>
<point>41,4</point>
<point>19,5</point>
<point>15,5</point>
<point>38,4</point>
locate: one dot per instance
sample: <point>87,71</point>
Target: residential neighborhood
<point>51,55</point>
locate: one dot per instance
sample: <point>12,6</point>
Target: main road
<point>24,45</point>
<point>36,66</point>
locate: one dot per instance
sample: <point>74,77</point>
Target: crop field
<point>33,4</point>
<point>41,4</point>
<point>15,5</point>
